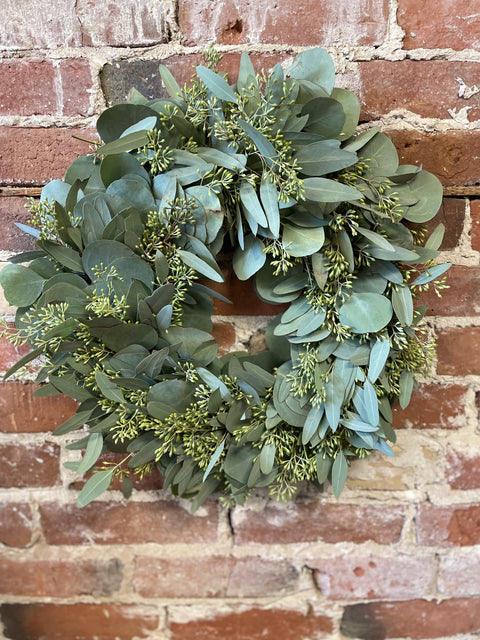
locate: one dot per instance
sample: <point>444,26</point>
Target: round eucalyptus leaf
<point>366,312</point>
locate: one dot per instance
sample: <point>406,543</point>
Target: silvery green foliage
<point>315,212</point>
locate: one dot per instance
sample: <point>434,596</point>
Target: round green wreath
<point>318,213</point>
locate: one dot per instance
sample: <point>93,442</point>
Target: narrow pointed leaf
<point>94,487</point>
<point>93,450</point>
<point>339,474</point>
<point>216,84</point>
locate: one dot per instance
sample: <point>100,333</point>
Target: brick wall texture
<point>398,555</point>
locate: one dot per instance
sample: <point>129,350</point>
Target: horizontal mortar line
<point>20,191</point>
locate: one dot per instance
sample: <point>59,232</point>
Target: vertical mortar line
<point>58,85</point>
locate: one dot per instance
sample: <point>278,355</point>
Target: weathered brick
<point>71,23</point>
<point>152,481</point>
<point>318,522</point>
<point>22,412</point>
<point>118,78</point>
<point>9,354</point>
<point>304,23</point>
<point>452,215</point>
<point>57,578</point>
<point>453,156</point>
<point>447,526</point>
<point>457,351</point>
<point>372,578</point>
<point>243,298</point>
<point>475,230</point>
<point>463,470</point>
<point>36,156</point>
<point>44,87</point>
<point>212,576</point>
<point>16,525</point>
<point>253,624</point>
<point>433,406</point>
<point>224,334</point>
<point>78,621</point>
<point>29,465</point>
<point>412,619</point>
<point>461,298</point>
<point>429,88</point>
<point>452,25</point>
<point>459,575</point>
<point>12,210</point>
<point>162,522</point>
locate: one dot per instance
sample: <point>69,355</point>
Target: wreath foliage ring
<point>319,214</point>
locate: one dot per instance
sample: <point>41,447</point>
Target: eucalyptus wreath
<point>117,303</point>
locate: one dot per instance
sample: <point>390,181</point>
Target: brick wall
<point>398,555</point>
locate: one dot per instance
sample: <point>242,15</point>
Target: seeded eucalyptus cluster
<point>116,301</point>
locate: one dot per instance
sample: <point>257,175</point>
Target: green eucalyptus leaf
<point>108,388</point>
<point>431,274</point>
<point>402,302</point>
<point>21,285</point>
<point>267,458</point>
<point>216,84</point>
<point>378,358</point>
<point>316,66</point>
<point>94,487</point>
<point>325,156</point>
<point>92,452</point>
<point>269,198</point>
<point>366,312</point>
<point>196,263</point>
<point>250,260</point>
<point>214,459</point>
<point>325,190</point>
<point>339,474</point>
<point>169,82</point>
<point>299,242</point>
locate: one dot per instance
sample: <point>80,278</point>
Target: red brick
<point>452,215</point>
<point>453,25</point>
<point>42,87</point>
<point>463,471</point>
<point>453,525</point>
<point>212,576</point>
<point>458,351</point>
<point>254,624</point>
<point>413,619</point>
<point>29,465</point>
<point>73,24</point>
<point>459,575</point>
<point>162,522</point>
<point>35,156</point>
<point>12,209</point>
<point>9,354</point>
<point>308,22</point>
<point>475,230</point>
<point>314,522</point>
<point>78,621</point>
<point>150,482</point>
<point>399,578</point>
<point>433,406</point>
<point>22,412</point>
<point>77,87</point>
<point>453,156</point>
<point>428,87</point>
<point>224,334</point>
<point>16,524</point>
<point>461,298</point>
<point>118,77</point>
<point>242,295</point>
<point>56,578</point>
